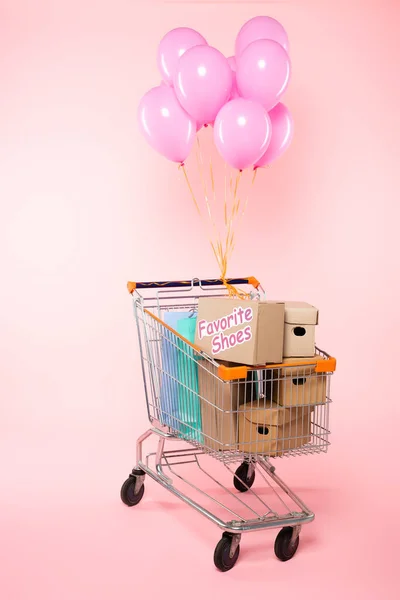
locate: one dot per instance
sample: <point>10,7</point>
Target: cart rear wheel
<point>284,548</point>
<point>129,495</point>
<point>242,479</point>
<point>222,559</point>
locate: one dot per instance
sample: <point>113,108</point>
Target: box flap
<point>272,414</point>
<point>306,365</point>
<point>311,360</point>
<point>300,313</point>
<point>271,323</point>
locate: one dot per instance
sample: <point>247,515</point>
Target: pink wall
<point>86,205</point>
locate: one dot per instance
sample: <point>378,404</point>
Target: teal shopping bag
<point>169,396</point>
<point>188,386</point>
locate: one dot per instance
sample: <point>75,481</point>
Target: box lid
<point>300,313</point>
<point>304,366</point>
<point>302,361</point>
<point>272,414</point>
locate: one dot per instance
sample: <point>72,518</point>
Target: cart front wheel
<point>244,477</point>
<point>131,494</point>
<point>227,552</point>
<point>285,547</point>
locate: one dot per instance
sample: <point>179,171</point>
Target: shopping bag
<point>189,402</point>
<point>169,394</point>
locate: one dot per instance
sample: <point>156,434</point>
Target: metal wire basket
<point>235,414</point>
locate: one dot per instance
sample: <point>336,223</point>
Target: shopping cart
<point>234,414</point>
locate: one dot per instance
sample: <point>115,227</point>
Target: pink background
<point>86,205</point>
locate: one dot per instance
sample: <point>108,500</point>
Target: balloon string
<point>212,180</point>
<point>230,240</point>
<point>219,254</point>
<point>252,184</point>
<point>238,177</point>
<point>222,252</point>
<point>229,243</point>
<point>199,159</point>
<point>182,166</point>
<point>200,163</point>
<point>225,207</point>
<point>236,201</point>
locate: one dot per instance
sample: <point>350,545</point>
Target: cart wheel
<point>284,549</point>
<point>222,559</point>
<point>242,477</point>
<point>128,495</point>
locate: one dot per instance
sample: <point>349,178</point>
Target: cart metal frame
<point>243,510</point>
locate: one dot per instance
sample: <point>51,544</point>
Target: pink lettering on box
<point>248,314</point>
<point>221,342</point>
<point>224,342</point>
<point>201,327</point>
<point>215,329</point>
<point>239,316</point>
<point>216,345</point>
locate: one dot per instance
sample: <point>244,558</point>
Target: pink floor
<point>66,535</point>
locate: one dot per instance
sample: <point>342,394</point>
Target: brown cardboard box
<point>247,332</point>
<point>219,401</point>
<point>273,430</point>
<point>299,385</point>
<point>299,337</point>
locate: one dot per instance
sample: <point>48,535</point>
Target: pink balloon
<point>263,72</point>
<point>203,82</point>
<point>165,125</point>
<point>234,91</point>
<point>173,45</point>
<point>261,28</point>
<point>282,134</point>
<point>242,131</point>
<point>232,63</point>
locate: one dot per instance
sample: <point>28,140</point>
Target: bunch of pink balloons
<point>239,96</point>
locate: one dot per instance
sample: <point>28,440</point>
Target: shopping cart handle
<point>132,286</point>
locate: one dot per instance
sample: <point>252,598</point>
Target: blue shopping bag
<point>169,394</point>
<point>189,403</point>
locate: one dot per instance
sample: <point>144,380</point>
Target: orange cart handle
<point>132,286</point>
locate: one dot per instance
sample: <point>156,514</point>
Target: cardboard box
<point>299,337</point>
<point>299,386</point>
<point>220,401</point>
<point>273,430</point>
<point>247,332</point>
